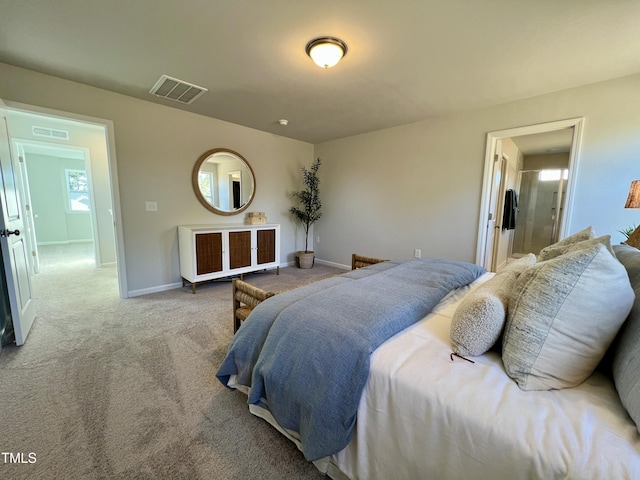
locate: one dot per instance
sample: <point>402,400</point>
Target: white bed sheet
<point>424,416</point>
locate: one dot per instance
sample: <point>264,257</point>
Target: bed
<point>422,412</point>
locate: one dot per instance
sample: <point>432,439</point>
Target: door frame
<point>502,162</point>
<point>113,175</point>
<point>492,139</point>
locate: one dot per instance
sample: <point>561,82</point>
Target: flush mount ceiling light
<point>326,51</point>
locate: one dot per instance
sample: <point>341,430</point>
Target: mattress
<point>424,415</point>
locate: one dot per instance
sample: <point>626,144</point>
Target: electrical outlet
<point>417,253</point>
<point>317,238</point>
<point>152,206</point>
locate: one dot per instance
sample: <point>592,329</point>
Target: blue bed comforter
<point>305,353</point>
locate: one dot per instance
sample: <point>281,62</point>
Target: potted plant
<point>308,212</point>
<point>628,231</point>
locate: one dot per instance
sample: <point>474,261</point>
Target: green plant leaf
<point>308,212</point>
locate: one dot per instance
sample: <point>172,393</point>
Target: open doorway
<point>21,124</point>
<point>68,188</point>
<point>527,190</point>
<point>59,203</point>
<point>235,180</point>
<point>542,196</point>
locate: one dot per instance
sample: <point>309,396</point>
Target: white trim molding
<point>492,138</point>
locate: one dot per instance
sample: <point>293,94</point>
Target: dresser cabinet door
<point>239,249</point>
<point>266,243</point>
<point>208,252</point>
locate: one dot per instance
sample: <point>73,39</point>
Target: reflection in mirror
<point>223,181</point>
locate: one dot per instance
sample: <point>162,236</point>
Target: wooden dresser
<point>208,252</point>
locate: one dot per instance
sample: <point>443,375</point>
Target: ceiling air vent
<point>178,90</point>
<point>50,133</point>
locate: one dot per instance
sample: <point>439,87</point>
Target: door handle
<point>6,233</point>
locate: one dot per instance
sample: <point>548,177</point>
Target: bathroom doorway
<point>540,210</point>
<point>550,147</point>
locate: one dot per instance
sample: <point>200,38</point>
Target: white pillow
<point>520,264</point>
<point>563,315</point>
<point>478,321</point>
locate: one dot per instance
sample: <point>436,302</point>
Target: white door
<point>13,243</point>
<point>30,228</point>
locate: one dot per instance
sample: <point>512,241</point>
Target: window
<point>553,175</point>
<point>77,190</point>
<point>205,181</point>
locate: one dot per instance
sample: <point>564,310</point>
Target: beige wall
<point>384,193</point>
<point>546,161</point>
<point>156,149</point>
<point>389,192</point>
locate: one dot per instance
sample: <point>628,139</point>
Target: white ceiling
<point>557,141</point>
<point>408,60</point>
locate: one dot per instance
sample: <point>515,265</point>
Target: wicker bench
<point>246,297</point>
<point>360,261</point>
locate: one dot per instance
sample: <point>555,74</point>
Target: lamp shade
<point>633,200</point>
<point>326,51</point>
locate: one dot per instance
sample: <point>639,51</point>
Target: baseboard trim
<point>159,288</point>
<point>64,242</point>
<point>333,264</point>
<point>171,286</point>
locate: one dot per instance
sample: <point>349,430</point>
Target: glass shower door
<point>541,201</point>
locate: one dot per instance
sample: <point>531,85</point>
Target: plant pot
<point>305,259</point>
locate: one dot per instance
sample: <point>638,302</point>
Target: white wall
<point>389,192</point>
<point>53,221</point>
<point>156,149</point>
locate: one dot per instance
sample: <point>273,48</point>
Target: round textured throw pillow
<point>478,321</point>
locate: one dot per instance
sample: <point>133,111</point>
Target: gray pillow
<point>626,356</point>
<point>585,234</point>
<point>479,320</point>
<point>563,315</point>
<point>556,250</point>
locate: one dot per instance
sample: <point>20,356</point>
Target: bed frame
<point>246,297</point>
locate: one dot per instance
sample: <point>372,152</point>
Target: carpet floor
<point>110,388</point>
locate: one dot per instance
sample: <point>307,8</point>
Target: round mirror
<point>223,181</point>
